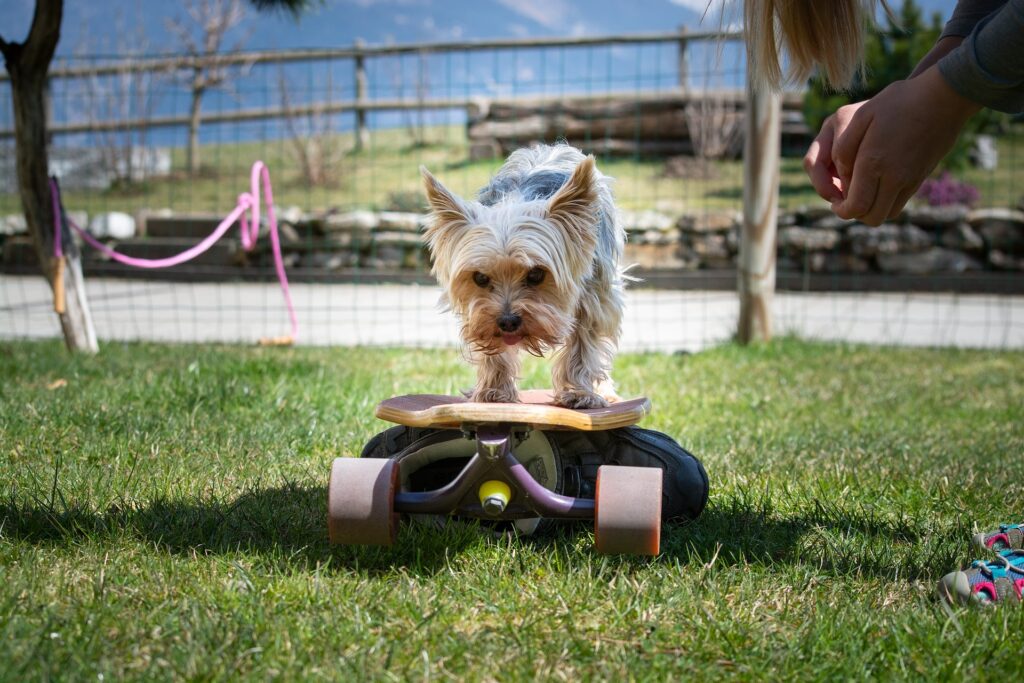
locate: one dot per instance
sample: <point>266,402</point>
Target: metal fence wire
<point>344,132</point>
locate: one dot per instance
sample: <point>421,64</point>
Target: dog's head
<point>513,272</point>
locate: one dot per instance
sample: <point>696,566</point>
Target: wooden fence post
<point>362,132</point>
<point>756,269</point>
<point>683,62</point>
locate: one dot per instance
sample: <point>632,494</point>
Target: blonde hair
<point>829,35</point>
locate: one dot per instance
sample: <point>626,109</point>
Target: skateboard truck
<point>364,499</point>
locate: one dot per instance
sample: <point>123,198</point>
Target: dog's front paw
<point>495,395</point>
<point>574,398</point>
<point>606,390</point>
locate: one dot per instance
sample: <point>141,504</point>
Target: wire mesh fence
<point>345,131</point>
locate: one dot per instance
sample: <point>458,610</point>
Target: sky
<point>107,26</point>
<point>110,28</point>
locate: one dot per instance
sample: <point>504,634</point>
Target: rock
<point>712,246</point>
<point>834,262</point>
<point>329,260</point>
<point>385,258</point>
<point>808,239</point>
<point>1002,229</point>
<point>399,220</point>
<point>732,240</point>
<point>112,225</point>
<point>833,222</point>
<point>351,221</point>
<point>961,236</point>
<point>721,221</point>
<point>659,237</point>
<point>814,212</point>
<point>935,260</point>
<point>343,239</point>
<point>888,238</point>
<point>786,219</point>
<point>397,239</point>
<point>291,215</point>
<point>937,217</point>
<point>1001,261</point>
<point>643,221</point>
<point>13,224</point>
<point>660,256</point>
<point>289,235</point>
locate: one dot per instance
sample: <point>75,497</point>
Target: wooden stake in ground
<point>756,267</point>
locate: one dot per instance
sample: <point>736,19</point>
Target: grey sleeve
<point>967,14</point>
<point>988,67</point>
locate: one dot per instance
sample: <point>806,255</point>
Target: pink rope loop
<point>248,202</point>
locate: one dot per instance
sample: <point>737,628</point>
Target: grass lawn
<point>162,516</point>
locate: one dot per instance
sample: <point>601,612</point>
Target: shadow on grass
<point>287,527</point>
<point>824,535</point>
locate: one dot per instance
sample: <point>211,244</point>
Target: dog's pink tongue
<point>511,339</point>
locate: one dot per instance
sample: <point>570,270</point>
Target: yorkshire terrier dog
<point>534,263</point>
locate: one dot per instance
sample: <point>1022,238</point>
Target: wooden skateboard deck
<point>536,409</point>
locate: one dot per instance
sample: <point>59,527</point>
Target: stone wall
<point>924,240</point>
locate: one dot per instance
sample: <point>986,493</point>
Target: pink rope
<point>248,202</point>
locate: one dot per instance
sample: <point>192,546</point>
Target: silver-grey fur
<point>511,216</point>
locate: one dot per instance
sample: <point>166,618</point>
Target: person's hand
<point>818,161</point>
<point>870,158</point>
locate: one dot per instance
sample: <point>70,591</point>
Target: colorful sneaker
<point>986,582</point>
<point>1006,537</point>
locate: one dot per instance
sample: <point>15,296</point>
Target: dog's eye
<point>535,277</point>
<point>481,280</point>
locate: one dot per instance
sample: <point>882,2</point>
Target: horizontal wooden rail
<point>128,64</point>
<point>735,97</point>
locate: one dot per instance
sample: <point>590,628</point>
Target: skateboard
<point>365,498</point>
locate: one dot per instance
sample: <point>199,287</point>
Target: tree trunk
<point>28,63</point>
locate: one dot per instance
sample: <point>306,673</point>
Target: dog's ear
<point>447,208</point>
<point>575,207</point>
<point>448,222</point>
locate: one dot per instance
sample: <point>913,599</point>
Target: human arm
<point>870,157</point>
<point>989,66</point>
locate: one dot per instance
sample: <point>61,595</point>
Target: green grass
<point>162,517</point>
<point>389,167</point>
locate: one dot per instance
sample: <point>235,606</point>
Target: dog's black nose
<point>509,322</point>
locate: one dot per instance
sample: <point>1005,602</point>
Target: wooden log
<point>659,125</point>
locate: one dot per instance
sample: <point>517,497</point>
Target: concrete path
<point>406,315</point>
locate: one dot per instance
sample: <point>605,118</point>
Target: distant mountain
<point>111,26</point>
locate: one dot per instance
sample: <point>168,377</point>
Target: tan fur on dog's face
<point>526,260</point>
<point>534,265</point>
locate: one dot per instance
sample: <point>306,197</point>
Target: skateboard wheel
<point>360,501</point>
<point>627,510</point>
